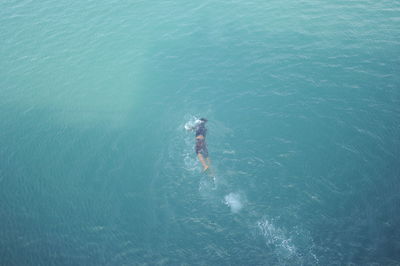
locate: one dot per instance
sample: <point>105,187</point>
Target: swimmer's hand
<point>206,168</point>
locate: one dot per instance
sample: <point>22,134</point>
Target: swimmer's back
<point>201,130</point>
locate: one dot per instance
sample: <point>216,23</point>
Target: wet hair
<point>203,120</point>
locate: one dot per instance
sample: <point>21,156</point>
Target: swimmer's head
<point>203,120</point>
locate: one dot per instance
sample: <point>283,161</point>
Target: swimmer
<point>201,147</point>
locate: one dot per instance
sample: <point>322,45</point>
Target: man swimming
<point>201,146</point>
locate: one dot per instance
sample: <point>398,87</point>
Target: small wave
<point>234,201</point>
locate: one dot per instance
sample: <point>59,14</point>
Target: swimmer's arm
<point>192,128</point>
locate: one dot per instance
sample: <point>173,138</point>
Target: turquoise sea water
<point>303,103</point>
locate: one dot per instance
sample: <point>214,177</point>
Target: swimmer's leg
<point>203,162</point>
<point>208,161</point>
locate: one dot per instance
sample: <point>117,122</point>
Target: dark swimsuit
<point>201,146</point>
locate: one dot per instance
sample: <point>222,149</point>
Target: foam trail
<point>233,200</point>
<point>276,237</point>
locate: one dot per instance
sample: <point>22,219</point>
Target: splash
<point>193,121</point>
<point>234,201</point>
<point>189,160</point>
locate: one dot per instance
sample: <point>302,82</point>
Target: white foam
<point>234,201</point>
